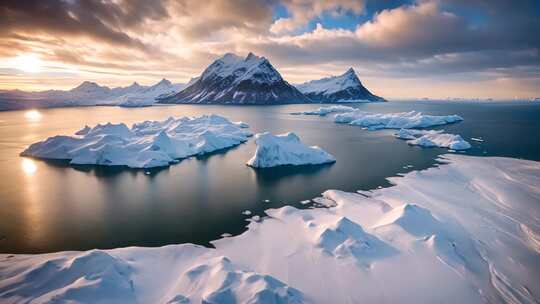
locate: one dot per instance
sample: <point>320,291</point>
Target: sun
<point>28,63</point>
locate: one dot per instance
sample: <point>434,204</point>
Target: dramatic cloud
<point>303,11</point>
<point>418,44</point>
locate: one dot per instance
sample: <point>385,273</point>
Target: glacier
<point>146,144</point>
<point>286,149</point>
<point>473,244</point>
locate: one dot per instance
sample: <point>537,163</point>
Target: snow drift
<point>286,149</point>
<point>144,145</point>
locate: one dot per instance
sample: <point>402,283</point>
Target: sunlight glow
<point>27,63</point>
<point>28,166</point>
<point>32,115</point>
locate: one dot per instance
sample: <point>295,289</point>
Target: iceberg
<point>323,111</point>
<point>404,120</point>
<point>466,231</point>
<point>146,144</point>
<point>432,138</point>
<point>286,149</point>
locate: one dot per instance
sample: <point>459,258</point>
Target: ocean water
<point>50,206</point>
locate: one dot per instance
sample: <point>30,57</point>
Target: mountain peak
<point>252,56</point>
<point>350,71</point>
<point>343,88</point>
<point>164,82</point>
<point>87,85</point>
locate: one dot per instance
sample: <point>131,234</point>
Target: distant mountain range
<point>89,94</point>
<point>228,80</point>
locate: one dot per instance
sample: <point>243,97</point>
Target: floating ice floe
<point>322,111</point>
<point>144,145</point>
<point>477,243</point>
<point>286,149</point>
<point>404,120</point>
<point>433,138</point>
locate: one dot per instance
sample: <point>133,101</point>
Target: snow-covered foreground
<point>144,145</point>
<point>286,149</point>
<point>465,232</point>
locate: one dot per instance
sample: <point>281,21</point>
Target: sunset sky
<point>400,49</point>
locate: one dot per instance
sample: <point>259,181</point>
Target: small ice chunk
<point>267,201</point>
<point>478,139</point>
<point>322,111</point>
<point>246,212</point>
<point>433,138</point>
<point>224,235</point>
<point>305,202</point>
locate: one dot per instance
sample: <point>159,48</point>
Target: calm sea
<point>49,206</point>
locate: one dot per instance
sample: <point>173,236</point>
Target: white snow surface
<point>404,120</point>
<point>252,67</point>
<point>144,145</point>
<point>286,149</point>
<point>427,239</point>
<point>433,138</point>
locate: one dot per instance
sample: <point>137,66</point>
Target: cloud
<point>302,11</point>
<point>118,40</point>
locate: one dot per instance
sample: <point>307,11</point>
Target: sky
<point>399,49</point>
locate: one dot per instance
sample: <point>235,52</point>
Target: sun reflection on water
<point>28,166</point>
<point>32,115</point>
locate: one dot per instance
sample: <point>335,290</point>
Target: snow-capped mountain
<point>146,96</point>
<point>235,80</point>
<point>343,88</point>
<point>90,93</point>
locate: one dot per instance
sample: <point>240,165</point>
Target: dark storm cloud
<point>102,20</point>
<point>434,37</point>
